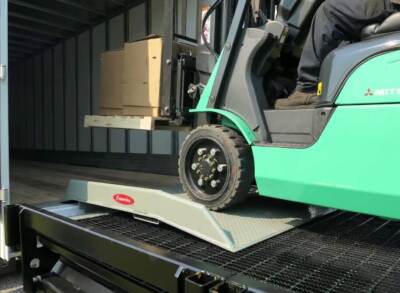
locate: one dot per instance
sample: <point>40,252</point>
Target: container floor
<point>36,182</point>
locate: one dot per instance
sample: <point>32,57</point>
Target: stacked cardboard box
<point>111,78</point>
<point>131,79</point>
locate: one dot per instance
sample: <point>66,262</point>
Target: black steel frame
<point>117,262</point>
<point>169,64</point>
<point>232,42</point>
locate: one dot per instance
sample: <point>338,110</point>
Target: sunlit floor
<point>11,283</point>
<point>36,182</point>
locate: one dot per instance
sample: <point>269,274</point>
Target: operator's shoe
<point>297,100</point>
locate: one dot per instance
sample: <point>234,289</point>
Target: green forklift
<point>342,153</point>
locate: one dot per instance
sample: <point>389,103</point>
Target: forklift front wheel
<point>216,167</point>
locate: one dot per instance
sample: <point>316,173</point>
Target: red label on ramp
<point>123,199</point>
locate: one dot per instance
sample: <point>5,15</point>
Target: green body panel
<point>353,166</point>
<point>373,82</point>
<point>231,119</point>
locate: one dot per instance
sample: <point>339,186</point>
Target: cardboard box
<point>111,79</point>
<point>141,111</point>
<point>142,77</point>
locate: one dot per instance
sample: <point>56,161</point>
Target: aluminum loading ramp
<point>235,229</point>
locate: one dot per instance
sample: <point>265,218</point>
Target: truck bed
<point>343,252</point>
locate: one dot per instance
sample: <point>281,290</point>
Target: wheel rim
<point>208,169</point>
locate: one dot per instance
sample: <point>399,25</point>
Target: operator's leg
<point>334,22</point>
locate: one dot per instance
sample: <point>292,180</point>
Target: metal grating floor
<point>342,252</point>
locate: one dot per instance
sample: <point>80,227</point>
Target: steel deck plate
<point>341,252</point>
<point>235,229</point>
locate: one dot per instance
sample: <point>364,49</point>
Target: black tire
<point>234,152</point>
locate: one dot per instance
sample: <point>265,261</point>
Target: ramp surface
<point>252,222</point>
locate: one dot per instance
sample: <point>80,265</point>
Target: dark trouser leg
<point>334,22</point>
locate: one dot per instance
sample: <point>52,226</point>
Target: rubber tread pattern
<point>240,150</point>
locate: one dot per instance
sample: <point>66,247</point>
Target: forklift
<point>341,153</point>
<point>241,149</point>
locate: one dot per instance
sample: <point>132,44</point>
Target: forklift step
<point>235,229</point>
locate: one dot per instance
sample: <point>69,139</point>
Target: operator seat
<point>389,25</point>
<point>338,65</point>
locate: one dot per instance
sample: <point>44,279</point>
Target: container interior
<point>54,81</point>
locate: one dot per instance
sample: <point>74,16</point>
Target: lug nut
<point>201,151</point>
<point>200,182</point>
<point>215,183</point>
<point>194,166</point>
<point>213,152</point>
<point>221,168</point>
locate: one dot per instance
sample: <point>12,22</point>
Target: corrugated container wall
<point>51,92</point>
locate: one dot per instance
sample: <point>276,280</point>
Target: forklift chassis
<point>341,153</point>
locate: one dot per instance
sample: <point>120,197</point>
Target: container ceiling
<point>37,24</point>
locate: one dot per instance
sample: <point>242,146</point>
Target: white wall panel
<point>59,98</point>
<point>138,142</point>
<point>22,107</point>
<point>157,16</point>
<point>116,39</point>
<point>137,22</point>
<point>84,91</point>
<point>137,30</point>
<point>191,19</point>
<point>38,85</point>
<point>48,114</point>
<point>30,104</point>
<point>19,107</point>
<point>70,95</point>
<point>98,46</point>
<point>161,140</point>
<point>117,141</point>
